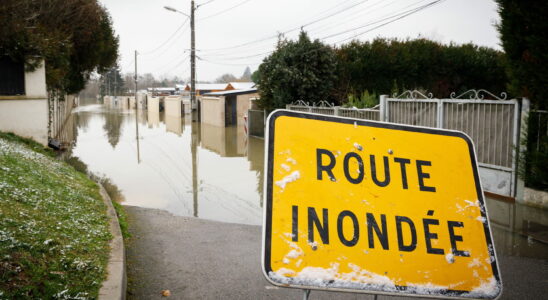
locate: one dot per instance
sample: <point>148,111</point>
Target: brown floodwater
<point>175,165</point>
<point>216,173</point>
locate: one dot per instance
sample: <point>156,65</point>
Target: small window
<point>12,77</point>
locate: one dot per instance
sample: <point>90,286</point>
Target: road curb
<point>114,287</point>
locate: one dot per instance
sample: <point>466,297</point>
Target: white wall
<point>243,104</point>
<point>35,83</point>
<point>27,118</point>
<point>213,111</point>
<point>173,106</point>
<point>27,115</point>
<point>132,102</point>
<point>154,104</point>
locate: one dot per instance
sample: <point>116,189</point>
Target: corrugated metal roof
<point>242,85</point>
<point>209,86</point>
<point>232,92</point>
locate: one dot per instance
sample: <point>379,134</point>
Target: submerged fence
<point>60,120</point>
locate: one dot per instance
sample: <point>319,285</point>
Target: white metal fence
<point>324,108</point>
<point>493,126</point>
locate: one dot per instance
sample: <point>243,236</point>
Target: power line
<point>397,17</point>
<point>177,65</point>
<point>331,15</point>
<point>223,11</point>
<point>166,41</point>
<point>383,18</point>
<point>239,57</point>
<point>157,70</point>
<point>168,47</point>
<point>392,18</point>
<point>355,15</point>
<point>290,30</point>
<point>205,3</point>
<point>227,64</point>
<point>129,64</point>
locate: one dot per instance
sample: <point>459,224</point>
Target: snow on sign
<point>373,207</point>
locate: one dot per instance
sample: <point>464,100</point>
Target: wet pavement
<point>201,259</point>
<point>194,196</point>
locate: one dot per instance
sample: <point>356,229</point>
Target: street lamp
<point>192,55</point>
<point>175,10</point>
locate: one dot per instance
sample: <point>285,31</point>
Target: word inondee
<point>408,236</point>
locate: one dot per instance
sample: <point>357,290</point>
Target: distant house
<point>226,108</point>
<point>240,85</point>
<point>180,87</point>
<point>204,88</point>
<point>162,91</point>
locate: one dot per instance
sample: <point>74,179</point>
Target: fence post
<point>440,114</point>
<point>288,106</point>
<point>521,146</point>
<point>383,109</point>
<point>336,111</point>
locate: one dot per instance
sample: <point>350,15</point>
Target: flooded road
<point>176,165</point>
<point>216,173</point>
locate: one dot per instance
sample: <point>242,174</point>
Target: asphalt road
<point>200,259</point>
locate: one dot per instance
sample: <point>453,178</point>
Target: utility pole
<point>108,82</point>
<point>115,82</point>
<point>136,112</point>
<point>193,62</point>
<point>135,76</point>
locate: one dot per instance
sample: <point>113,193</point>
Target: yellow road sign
<point>375,207</point>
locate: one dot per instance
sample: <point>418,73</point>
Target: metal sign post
<point>379,208</point>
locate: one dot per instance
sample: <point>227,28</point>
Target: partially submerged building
<point>227,108</point>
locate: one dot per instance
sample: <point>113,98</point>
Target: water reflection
<point>225,141</point>
<point>174,124</point>
<point>211,173</point>
<point>518,230</point>
<point>112,127</point>
<point>217,173</point>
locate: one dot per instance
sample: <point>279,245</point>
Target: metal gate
<point>493,126</point>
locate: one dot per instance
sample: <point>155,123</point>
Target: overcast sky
<point>163,37</point>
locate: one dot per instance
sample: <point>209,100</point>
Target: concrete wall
<point>26,117</point>
<point>173,106</point>
<point>132,102</point>
<point>187,108</point>
<point>35,83</point>
<point>123,102</point>
<point>154,104</point>
<point>153,118</point>
<point>255,122</point>
<point>495,181</point>
<point>242,106</point>
<point>141,100</point>
<point>213,111</point>
<point>535,198</point>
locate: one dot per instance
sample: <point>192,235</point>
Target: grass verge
<point>53,226</point>
<point>112,190</point>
